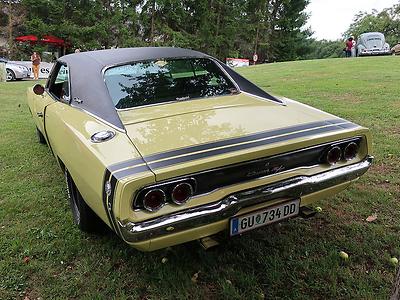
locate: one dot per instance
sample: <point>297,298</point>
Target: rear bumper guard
<point>295,187</point>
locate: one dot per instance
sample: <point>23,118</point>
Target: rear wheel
<point>10,75</point>
<point>83,215</point>
<point>40,137</point>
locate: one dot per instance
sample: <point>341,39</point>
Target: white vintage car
<point>372,43</point>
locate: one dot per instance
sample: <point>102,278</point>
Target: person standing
<point>36,60</point>
<point>354,48</point>
<point>349,45</point>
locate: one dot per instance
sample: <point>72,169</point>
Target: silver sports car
<point>15,71</point>
<point>372,43</point>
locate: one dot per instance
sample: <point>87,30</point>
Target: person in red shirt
<point>349,45</point>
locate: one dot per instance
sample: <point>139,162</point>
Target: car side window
<point>59,84</point>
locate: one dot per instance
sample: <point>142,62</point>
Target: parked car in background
<point>15,71</point>
<point>396,49</point>
<point>372,43</point>
<point>169,145</point>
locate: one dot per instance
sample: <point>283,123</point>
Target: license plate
<point>264,217</point>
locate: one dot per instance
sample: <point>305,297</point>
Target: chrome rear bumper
<point>205,214</point>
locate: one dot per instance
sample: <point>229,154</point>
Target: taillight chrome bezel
<point>187,198</point>
<point>152,209</point>
<point>354,155</point>
<point>167,188</point>
<point>344,147</point>
<point>339,151</point>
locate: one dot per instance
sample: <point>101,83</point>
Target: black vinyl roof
<point>124,55</point>
<point>87,82</point>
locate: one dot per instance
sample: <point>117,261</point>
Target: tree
<point>222,28</point>
<point>387,21</point>
<point>11,17</point>
<point>325,49</point>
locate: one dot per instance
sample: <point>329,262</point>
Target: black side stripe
<point>177,160</point>
<point>134,170</point>
<point>247,138</point>
<point>149,163</point>
<point>126,164</point>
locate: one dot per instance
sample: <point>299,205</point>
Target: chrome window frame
<point>50,81</point>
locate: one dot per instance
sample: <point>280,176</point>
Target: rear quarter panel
<point>69,131</point>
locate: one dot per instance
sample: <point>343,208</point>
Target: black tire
<point>83,215</point>
<point>40,137</point>
<point>10,75</point>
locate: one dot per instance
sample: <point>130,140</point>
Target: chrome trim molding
<point>351,144</point>
<point>283,103</point>
<point>295,187</point>
<point>99,119</point>
<point>188,197</point>
<point>161,204</point>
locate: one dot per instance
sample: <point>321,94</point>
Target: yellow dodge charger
<point>169,145</point>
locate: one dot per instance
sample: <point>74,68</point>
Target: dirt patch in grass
<point>395,130</point>
<point>396,104</point>
<point>347,98</point>
<point>377,185</point>
<point>383,168</point>
<point>347,216</point>
<point>31,294</point>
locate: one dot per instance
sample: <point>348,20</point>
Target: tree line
<point>234,28</point>
<point>274,29</point>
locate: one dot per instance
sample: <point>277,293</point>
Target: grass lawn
<point>42,254</point>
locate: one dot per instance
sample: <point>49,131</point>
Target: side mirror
<point>38,89</point>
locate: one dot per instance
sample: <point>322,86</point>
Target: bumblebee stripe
<point>227,142</point>
<point>126,164</point>
<point>195,156</point>
<point>130,171</point>
<point>168,158</point>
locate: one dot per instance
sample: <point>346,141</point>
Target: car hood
<point>183,132</point>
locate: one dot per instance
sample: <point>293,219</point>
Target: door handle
<point>40,115</point>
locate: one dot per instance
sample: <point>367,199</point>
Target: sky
<point>331,18</point>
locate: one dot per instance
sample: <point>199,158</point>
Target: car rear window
<point>165,80</point>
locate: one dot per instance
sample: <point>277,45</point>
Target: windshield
<point>157,81</point>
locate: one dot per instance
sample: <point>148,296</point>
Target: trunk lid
<point>212,132</point>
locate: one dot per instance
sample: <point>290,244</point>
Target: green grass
<point>297,259</point>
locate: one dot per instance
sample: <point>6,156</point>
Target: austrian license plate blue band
<point>264,217</point>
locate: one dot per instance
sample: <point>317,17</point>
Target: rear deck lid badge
<point>268,170</point>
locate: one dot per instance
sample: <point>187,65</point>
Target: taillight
<point>333,155</point>
<point>350,151</point>
<point>181,193</point>
<point>154,199</point>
